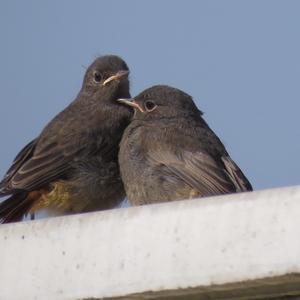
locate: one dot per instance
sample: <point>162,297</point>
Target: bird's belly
<point>55,198</point>
<point>64,198</point>
<point>149,187</point>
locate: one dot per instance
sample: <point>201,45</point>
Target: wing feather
<point>202,172</point>
<point>41,162</point>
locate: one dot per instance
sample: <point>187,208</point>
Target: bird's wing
<point>20,159</point>
<point>202,172</point>
<point>236,175</point>
<point>51,160</point>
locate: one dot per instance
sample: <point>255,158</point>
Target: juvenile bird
<point>168,152</point>
<point>72,165</point>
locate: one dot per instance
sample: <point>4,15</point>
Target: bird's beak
<point>118,76</point>
<point>131,102</point>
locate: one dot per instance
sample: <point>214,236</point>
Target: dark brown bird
<point>168,152</point>
<point>72,165</point>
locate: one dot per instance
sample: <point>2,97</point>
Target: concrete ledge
<point>244,246</point>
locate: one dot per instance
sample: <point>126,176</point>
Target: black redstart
<point>72,165</point>
<point>168,152</point>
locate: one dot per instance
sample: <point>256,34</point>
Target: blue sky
<point>239,60</point>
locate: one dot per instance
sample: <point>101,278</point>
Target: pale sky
<point>238,59</point>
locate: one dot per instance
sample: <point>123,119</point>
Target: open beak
<point>131,102</point>
<point>118,76</point>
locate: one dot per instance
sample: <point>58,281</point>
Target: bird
<point>72,166</point>
<point>168,152</point>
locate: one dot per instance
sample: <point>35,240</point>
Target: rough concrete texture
<point>243,246</point>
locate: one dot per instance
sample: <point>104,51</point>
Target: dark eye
<point>97,77</point>
<point>150,105</point>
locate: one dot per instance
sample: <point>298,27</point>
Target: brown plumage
<point>72,165</point>
<point>168,152</point>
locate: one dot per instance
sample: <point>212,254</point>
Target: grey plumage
<point>72,165</point>
<point>168,152</point>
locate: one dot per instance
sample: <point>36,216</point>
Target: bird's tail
<point>15,207</point>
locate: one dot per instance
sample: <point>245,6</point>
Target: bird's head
<point>107,77</point>
<point>161,101</point>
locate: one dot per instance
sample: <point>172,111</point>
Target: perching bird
<point>168,152</point>
<point>72,166</point>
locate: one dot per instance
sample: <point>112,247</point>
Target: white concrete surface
<point>229,247</point>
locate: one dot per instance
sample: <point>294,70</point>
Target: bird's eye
<point>97,77</point>
<point>150,105</point>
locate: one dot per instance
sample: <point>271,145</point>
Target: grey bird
<point>72,166</point>
<point>168,152</point>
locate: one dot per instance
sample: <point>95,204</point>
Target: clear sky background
<point>240,60</point>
